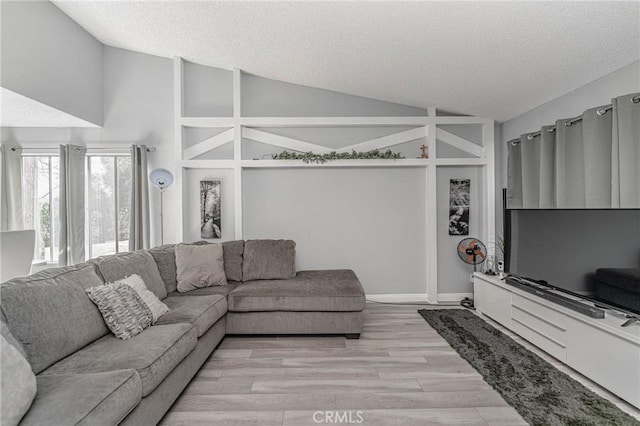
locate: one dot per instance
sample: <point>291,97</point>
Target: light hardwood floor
<point>400,372</point>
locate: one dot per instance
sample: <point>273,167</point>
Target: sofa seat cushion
<point>324,291</point>
<point>200,311</point>
<point>625,279</point>
<point>222,290</point>
<point>154,353</point>
<point>85,399</point>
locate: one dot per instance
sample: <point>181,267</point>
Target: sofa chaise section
<point>313,302</point>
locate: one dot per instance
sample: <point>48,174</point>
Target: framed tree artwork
<point>459,201</point>
<point>210,209</point>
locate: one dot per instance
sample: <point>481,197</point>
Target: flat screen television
<point>565,247</point>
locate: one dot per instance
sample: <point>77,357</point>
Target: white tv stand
<point>600,349</point>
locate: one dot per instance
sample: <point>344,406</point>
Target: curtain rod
<point>149,149</point>
<point>600,111</point>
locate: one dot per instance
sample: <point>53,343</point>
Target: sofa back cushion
<point>118,266</point>
<point>165,257</point>
<point>269,260</point>
<point>50,314</point>
<point>233,251</point>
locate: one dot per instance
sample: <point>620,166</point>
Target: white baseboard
<point>398,298</point>
<point>453,297</point>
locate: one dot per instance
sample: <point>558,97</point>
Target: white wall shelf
<point>422,127</point>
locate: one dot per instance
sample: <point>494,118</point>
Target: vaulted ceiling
<point>491,59</point>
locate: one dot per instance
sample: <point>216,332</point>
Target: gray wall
<point>599,92</point>
<point>138,108</point>
<point>453,274</point>
<point>46,56</point>
<point>368,220</point>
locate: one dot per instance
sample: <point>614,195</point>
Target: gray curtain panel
<point>139,228</point>
<point>514,174</point>
<point>626,151</point>
<point>591,161</point>
<point>547,186</point>
<point>10,188</point>
<point>530,161</point>
<point>596,134</point>
<point>569,166</point>
<point>71,213</point>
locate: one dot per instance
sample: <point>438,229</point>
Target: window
<point>108,198</point>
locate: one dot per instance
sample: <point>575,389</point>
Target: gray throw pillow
<point>199,266</point>
<point>269,260</point>
<point>123,310</point>
<point>18,384</point>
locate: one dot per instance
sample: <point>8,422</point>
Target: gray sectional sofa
<point>87,376</point>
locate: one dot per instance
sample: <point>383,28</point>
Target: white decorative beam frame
<point>239,127</point>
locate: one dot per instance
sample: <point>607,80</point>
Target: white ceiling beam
<point>460,143</point>
<point>206,121</point>
<point>333,121</point>
<point>462,120</point>
<point>387,141</point>
<point>208,144</point>
<point>282,141</point>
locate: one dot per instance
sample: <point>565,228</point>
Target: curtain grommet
<point>601,111</point>
<point>635,99</point>
<point>530,137</point>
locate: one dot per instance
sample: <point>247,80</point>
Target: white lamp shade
<point>161,178</point>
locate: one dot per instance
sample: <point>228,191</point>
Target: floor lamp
<point>161,179</point>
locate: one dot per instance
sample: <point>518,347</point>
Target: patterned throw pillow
<point>151,300</point>
<point>123,310</point>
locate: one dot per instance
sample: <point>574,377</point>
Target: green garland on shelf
<point>310,157</point>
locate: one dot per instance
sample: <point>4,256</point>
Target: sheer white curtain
<point>72,195</point>
<point>139,228</point>
<point>10,188</point>
<point>590,161</point>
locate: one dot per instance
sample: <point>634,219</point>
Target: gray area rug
<point>541,394</point>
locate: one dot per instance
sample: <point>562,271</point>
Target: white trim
<point>206,121</point>
<point>332,121</point>
<point>237,153</point>
<point>387,141</point>
<point>461,162</point>
<point>390,298</point>
<point>208,164</point>
<point>283,141</point>
<point>453,297</point>
<point>463,120</point>
<point>489,178</point>
<point>431,262</point>
<point>460,143</point>
<point>209,144</point>
<point>178,75</point>
<point>257,164</point>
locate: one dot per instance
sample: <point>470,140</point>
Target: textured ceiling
<point>491,59</point>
